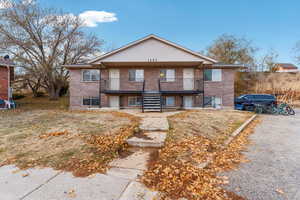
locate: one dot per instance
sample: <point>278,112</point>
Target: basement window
<point>135,101</point>
<point>90,101</point>
<point>212,101</point>
<point>168,101</point>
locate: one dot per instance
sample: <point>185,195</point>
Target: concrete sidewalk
<point>48,184</point>
<point>120,182</point>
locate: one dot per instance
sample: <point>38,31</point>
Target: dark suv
<point>247,101</point>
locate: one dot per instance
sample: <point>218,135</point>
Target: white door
<point>114,79</point>
<point>188,101</point>
<point>188,79</point>
<point>114,101</point>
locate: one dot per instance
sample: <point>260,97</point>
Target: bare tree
<point>269,61</point>
<point>43,40</point>
<point>232,50</point>
<point>296,50</point>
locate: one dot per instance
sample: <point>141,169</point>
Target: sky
<point>195,24</point>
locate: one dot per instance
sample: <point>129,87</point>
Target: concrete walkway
<point>120,182</point>
<point>274,168</point>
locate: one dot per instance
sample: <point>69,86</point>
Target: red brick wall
<point>3,83</point>
<point>224,88</point>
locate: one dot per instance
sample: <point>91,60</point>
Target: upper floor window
<point>136,75</point>
<point>213,75</point>
<point>91,75</point>
<point>167,75</point>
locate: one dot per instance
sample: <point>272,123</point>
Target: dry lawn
<point>215,125</point>
<point>42,103</point>
<point>195,138</point>
<point>79,141</point>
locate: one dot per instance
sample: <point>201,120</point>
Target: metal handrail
<point>143,96</point>
<point>177,84</point>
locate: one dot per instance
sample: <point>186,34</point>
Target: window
<point>91,101</point>
<point>168,101</point>
<point>167,75</point>
<point>136,75</point>
<point>213,75</point>
<point>91,75</point>
<point>135,101</point>
<point>212,101</point>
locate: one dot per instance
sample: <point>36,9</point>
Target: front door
<point>188,101</point>
<point>114,79</point>
<point>114,101</point>
<point>188,79</point>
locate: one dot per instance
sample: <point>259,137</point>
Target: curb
<point>231,137</point>
<point>239,130</point>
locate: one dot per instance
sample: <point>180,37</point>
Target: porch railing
<point>121,84</point>
<point>180,84</point>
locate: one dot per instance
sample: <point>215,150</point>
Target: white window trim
<point>82,80</point>
<point>135,76</point>
<point>172,79</point>
<point>221,77</point>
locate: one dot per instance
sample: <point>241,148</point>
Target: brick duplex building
<point>151,74</point>
<point>6,77</point>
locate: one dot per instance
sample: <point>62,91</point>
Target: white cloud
<point>91,18</point>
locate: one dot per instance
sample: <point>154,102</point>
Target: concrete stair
<point>148,139</point>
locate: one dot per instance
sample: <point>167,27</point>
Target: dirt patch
<point>79,141</point>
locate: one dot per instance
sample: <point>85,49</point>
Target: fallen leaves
<point>176,175</point>
<point>53,134</point>
<point>71,193</point>
<point>279,191</point>
<point>80,142</point>
<point>25,175</point>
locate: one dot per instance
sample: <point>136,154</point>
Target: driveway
<point>274,168</point>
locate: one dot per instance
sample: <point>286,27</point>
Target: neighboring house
<point>6,77</point>
<point>286,67</point>
<point>152,74</point>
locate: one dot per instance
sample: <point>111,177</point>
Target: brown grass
<point>179,178</point>
<point>215,125</point>
<point>42,103</point>
<point>61,139</point>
